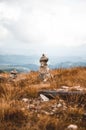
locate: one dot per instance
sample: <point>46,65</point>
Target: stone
<point>32,107</point>
<point>72,127</point>
<point>25,100</point>
<point>45,112</point>
<point>13,74</point>
<point>44,98</point>
<point>64,87</point>
<point>59,105</point>
<point>44,73</point>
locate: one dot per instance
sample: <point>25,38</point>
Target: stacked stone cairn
<point>44,69</point>
<point>13,74</point>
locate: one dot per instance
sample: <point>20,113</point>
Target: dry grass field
<point>22,109</point>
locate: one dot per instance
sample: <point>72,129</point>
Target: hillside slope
<point>21,108</point>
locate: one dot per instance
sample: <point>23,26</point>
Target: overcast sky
<point>32,27</point>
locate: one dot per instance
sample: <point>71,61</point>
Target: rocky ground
<point>27,103</point>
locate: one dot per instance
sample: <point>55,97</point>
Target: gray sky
<point>55,27</point>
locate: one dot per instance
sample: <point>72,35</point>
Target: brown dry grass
<point>14,116</point>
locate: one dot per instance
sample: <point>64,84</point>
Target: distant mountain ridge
<point>16,59</point>
<point>28,63</point>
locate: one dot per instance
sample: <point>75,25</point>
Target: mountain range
<point>27,63</point>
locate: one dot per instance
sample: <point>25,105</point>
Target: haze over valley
<point>27,63</point>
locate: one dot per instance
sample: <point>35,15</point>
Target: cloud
<point>4,33</point>
<point>9,12</point>
<point>44,24</point>
<point>53,23</point>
